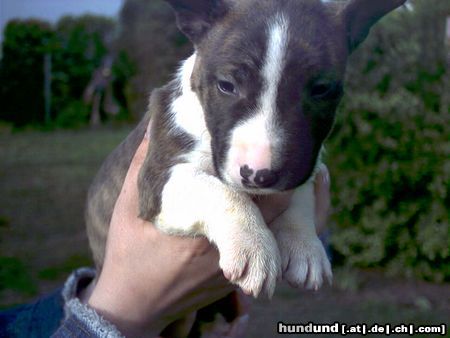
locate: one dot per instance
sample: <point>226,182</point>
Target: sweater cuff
<point>75,309</point>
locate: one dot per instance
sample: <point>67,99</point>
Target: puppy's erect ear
<point>360,15</point>
<point>195,17</point>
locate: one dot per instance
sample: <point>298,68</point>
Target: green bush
<point>80,50</point>
<point>74,115</point>
<point>391,183</point>
<point>389,154</point>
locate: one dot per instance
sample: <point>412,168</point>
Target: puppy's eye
<point>325,90</point>
<point>226,87</point>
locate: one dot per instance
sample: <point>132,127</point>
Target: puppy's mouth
<point>253,190</point>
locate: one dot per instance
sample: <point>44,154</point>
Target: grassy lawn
<point>43,182</point>
<point>44,179</point>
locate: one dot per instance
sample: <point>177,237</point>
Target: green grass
<point>44,177</point>
<point>14,275</point>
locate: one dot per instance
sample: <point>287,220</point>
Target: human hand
<point>149,279</point>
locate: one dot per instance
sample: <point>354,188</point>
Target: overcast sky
<point>51,10</point>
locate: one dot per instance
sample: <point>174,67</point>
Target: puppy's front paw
<point>304,260</point>
<point>252,261</point>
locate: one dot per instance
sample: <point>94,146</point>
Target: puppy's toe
<point>314,280</point>
<point>296,272</point>
<point>233,266</point>
<point>261,275</point>
<point>253,264</point>
<point>308,264</point>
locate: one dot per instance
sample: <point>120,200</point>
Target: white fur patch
<point>189,117</point>
<point>273,68</point>
<point>186,109</point>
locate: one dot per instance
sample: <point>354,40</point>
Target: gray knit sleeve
<point>80,320</point>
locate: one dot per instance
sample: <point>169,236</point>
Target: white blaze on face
<point>254,140</point>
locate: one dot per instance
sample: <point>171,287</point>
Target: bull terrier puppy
<point>246,114</point>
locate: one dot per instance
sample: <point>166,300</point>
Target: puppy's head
<point>269,74</point>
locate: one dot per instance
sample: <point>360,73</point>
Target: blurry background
<point>76,75</point>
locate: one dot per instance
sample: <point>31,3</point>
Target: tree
<point>21,71</point>
<point>151,39</point>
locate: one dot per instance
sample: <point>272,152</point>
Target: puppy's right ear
<point>196,17</point>
<point>361,15</point>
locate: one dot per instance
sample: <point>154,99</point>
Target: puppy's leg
<point>196,203</point>
<point>304,260</point>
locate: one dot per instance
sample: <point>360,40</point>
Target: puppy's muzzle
<point>250,165</point>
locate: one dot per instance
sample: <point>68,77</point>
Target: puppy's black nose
<point>265,178</point>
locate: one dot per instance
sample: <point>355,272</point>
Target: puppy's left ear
<point>360,15</point>
<point>196,17</point>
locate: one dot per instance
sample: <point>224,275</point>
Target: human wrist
<point>125,308</point>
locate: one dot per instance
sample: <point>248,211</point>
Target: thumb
<point>127,203</point>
